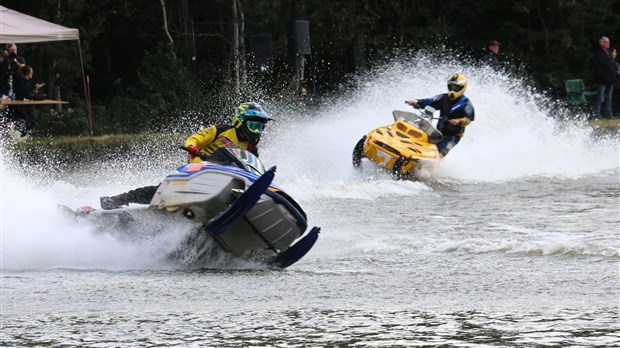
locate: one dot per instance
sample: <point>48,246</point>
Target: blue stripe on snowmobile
<point>181,173</point>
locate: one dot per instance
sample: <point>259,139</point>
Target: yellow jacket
<point>208,140</point>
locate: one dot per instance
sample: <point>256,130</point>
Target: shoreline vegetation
<point>68,151</point>
<point>605,123</point>
<point>213,54</point>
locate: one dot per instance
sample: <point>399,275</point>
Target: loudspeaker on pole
<point>260,51</point>
<point>357,59</point>
<point>299,37</point>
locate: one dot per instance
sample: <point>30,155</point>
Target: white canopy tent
<point>16,27</point>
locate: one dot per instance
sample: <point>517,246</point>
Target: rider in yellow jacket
<point>248,124</point>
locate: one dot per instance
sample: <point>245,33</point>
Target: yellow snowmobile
<point>405,148</point>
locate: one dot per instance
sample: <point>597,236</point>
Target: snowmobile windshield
<point>422,122</point>
<point>237,157</point>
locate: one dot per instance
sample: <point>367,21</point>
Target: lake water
<point>514,242</point>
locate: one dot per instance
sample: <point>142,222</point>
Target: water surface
<point>514,242</point>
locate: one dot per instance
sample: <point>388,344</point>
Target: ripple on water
<point>320,327</point>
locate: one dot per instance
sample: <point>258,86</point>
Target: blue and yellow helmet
<point>252,115</point>
<point>457,84</point>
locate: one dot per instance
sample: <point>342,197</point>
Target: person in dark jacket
<point>616,92</point>
<point>11,65</point>
<point>24,88</point>
<point>491,55</point>
<point>456,112</point>
<point>605,77</point>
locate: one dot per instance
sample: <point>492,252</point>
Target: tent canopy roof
<point>16,27</point>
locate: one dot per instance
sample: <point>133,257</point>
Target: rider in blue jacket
<point>456,112</point>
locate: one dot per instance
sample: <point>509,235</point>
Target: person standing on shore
<point>605,77</point>
<point>491,55</point>
<point>616,92</point>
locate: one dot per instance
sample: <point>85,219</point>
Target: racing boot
<point>114,202</point>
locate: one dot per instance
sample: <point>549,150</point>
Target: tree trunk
<point>545,29</point>
<point>185,48</point>
<point>235,50</point>
<point>163,10</point>
<point>242,63</point>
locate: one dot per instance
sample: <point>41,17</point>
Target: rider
<point>249,121</point>
<point>456,112</point>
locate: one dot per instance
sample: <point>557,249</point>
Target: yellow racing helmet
<point>457,84</point>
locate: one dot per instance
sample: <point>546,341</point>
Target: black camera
<point>12,55</point>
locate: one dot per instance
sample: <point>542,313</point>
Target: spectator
<point>10,69</point>
<point>605,77</point>
<point>616,93</point>
<point>491,55</point>
<point>25,89</point>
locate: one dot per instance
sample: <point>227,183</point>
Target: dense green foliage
<point>139,80</point>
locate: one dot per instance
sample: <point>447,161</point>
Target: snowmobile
<point>228,197</point>
<point>406,148</point>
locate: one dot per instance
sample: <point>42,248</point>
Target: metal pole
<point>86,96</point>
<point>300,63</point>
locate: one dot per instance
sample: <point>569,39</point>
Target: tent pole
<point>86,96</point>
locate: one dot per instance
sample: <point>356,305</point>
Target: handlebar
<point>202,156</point>
<point>219,156</point>
<point>428,111</point>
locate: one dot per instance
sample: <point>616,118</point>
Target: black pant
<point>616,101</point>
<point>22,117</point>
<point>142,195</point>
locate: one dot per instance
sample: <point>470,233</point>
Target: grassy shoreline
<point>70,151</point>
<point>607,124</point>
<point>610,124</point>
<point>73,150</point>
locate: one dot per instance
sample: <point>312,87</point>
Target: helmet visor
<point>255,126</point>
<point>454,88</point>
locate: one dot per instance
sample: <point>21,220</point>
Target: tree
<point>550,40</point>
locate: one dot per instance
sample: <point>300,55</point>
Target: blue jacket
<point>461,108</point>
